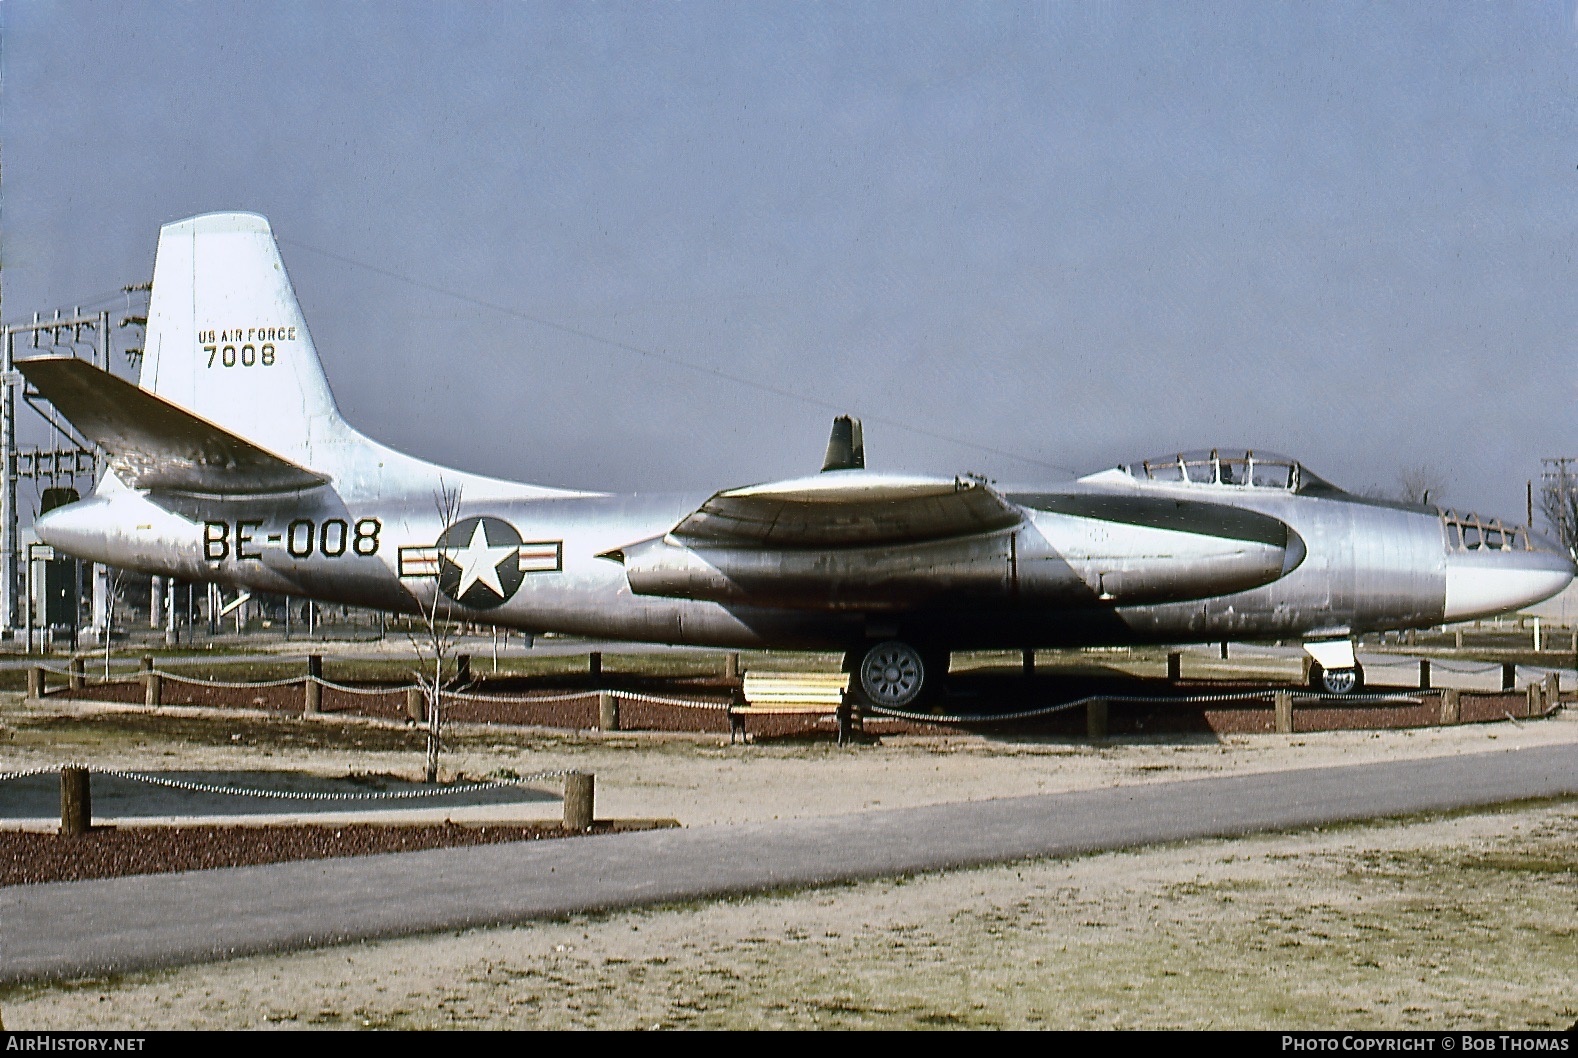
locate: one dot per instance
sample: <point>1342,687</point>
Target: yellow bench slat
<point>791,691</point>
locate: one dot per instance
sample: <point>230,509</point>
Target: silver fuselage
<point>1354,565</point>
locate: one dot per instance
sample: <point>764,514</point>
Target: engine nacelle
<point>1058,560</point>
<point>863,578</point>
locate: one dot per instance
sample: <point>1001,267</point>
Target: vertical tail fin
<point>226,339</point>
<point>227,342</point>
<point>846,447</point>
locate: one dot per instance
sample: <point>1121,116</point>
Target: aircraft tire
<point>1337,681</point>
<point>891,674</point>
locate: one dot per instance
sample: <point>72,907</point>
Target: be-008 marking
<point>301,538</point>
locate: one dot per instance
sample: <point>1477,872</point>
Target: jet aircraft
<point>229,463</point>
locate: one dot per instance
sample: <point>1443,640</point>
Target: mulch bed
<point>33,857</point>
<point>1258,715</point>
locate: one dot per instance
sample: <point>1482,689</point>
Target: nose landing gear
<point>1333,668</point>
<point>1336,681</point>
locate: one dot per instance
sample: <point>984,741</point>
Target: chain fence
<point>1462,668</point>
<point>1159,699</point>
<point>873,712</point>
<point>198,681</point>
<point>449,695</point>
<point>658,699</point>
<point>520,699</point>
<point>349,689</point>
<point>299,795</point>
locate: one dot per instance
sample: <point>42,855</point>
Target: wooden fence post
<point>1553,690</point>
<point>36,681</point>
<point>78,678</point>
<point>1174,666</point>
<point>314,689</point>
<point>1282,707</point>
<point>607,711</point>
<point>1531,696</point>
<point>1096,719</point>
<point>1451,706</point>
<point>578,795</point>
<point>594,665</point>
<point>462,670</point>
<point>76,802</point>
<point>413,704</point>
<point>1424,674</point>
<point>1509,675</point>
<point>731,666</point>
<point>152,691</point>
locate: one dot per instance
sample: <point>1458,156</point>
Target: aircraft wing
<point>847,508</point>
<point>153,444</point>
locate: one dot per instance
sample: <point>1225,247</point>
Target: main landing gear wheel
<point>1336,681</point>
<point>891,675</point>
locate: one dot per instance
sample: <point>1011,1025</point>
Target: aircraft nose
<point>1484,582</point>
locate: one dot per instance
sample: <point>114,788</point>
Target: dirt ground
<point>1465,921</point>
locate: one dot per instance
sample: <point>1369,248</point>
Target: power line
<point>118,296</point>
<point>666,358</point>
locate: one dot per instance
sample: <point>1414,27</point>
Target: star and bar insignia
<point>481,561</point>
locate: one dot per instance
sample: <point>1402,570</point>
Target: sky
<point>657,246</point>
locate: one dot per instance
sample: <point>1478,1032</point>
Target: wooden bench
<point>793,693</point>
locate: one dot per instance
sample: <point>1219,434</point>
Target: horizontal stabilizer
<point>850,508</point>
<point>153,444</point>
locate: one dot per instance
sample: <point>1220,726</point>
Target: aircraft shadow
<point>996,701</point>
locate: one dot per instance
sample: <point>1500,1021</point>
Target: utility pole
<point>1559,498</point>
<point>68,456</point>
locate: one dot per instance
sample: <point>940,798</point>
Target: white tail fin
<point>227,341</point>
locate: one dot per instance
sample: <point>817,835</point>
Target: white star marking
<point>479,562</point>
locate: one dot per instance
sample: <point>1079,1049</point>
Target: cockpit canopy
<point>1470,532</point>
<point>1246,468</point>
<point>1222,466</point>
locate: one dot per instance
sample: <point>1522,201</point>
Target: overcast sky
<point>657,246</point>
